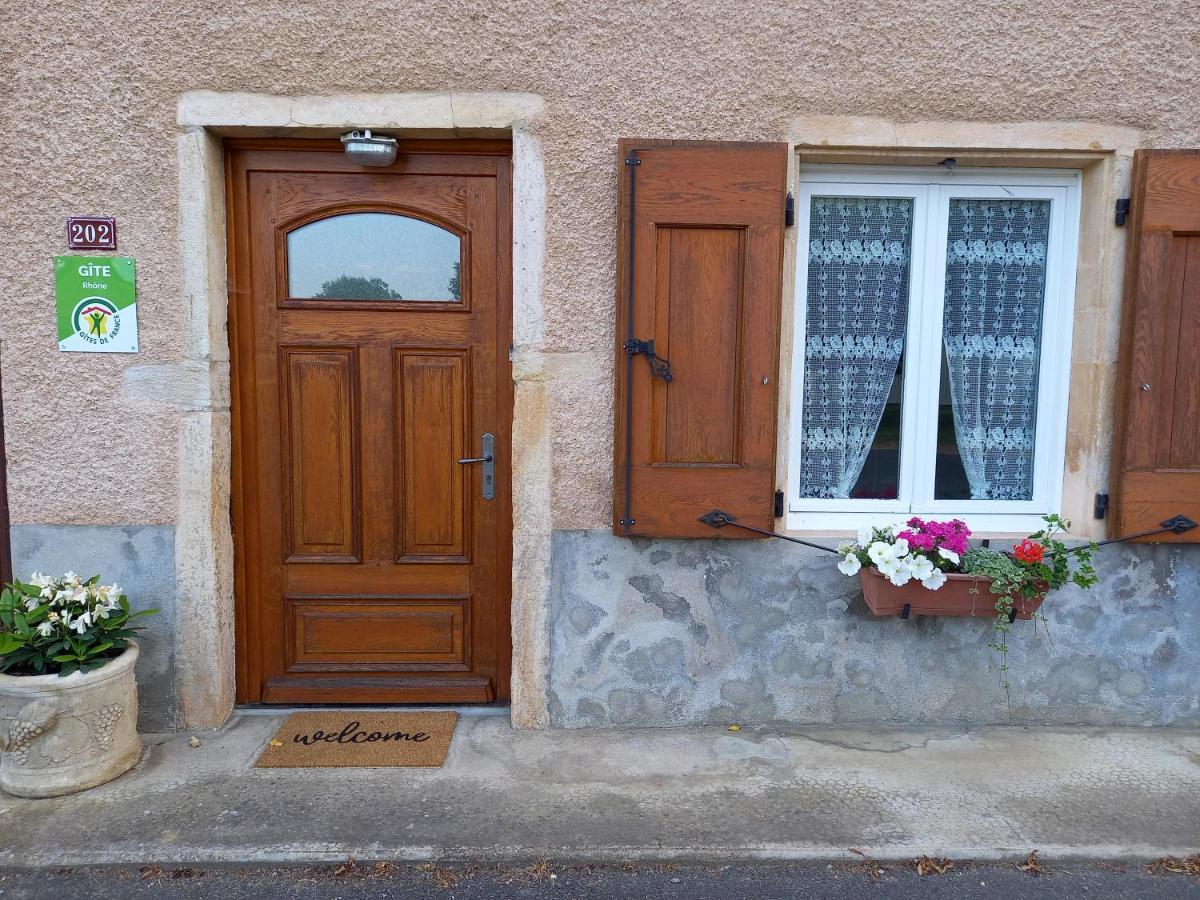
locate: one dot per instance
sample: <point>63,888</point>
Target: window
<point>373,256</point>
<point>932,345</point>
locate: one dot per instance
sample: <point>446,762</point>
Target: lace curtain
<point>857,301</point>
<point>995,287</point>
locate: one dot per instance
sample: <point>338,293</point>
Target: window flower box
<point>960,595</point>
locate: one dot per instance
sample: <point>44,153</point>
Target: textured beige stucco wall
<point>89,99</point>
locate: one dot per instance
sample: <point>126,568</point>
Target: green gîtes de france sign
<point>96,303</point>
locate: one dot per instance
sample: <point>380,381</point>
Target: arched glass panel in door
<point>374,256</point>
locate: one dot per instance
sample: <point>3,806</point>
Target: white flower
<point>898,573</point>
<point>849,564</point>
<point>62,597</point>
<point>100,611</point>
<point>865,535</point>
<point>900,548</point>
<point>46,629</point>
<point>53,616</point>
<point>845,547</point>
<point>42,581</point>
<point>894,570</point>
<point>32,603</point>
<point>879,552</point>
<point>949,554</point>
<point>920,566</point>
<point>70,577</point>
<point>83,623</point>
<point>935,580</point>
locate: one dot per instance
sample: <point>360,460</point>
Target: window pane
<point>991,331</point>
<point>855,311</point>
<point>373,256</point>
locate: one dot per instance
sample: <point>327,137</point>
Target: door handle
<point>487,450</point>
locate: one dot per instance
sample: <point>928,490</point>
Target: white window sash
<point>916,270</point>
<point>931,194</point>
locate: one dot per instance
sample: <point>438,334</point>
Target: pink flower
<point>957,543</point>
<point>929,535</point>
<point>918,540</point>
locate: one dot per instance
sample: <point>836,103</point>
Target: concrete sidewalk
<point>704,794</point>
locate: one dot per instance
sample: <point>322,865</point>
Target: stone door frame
<point>205,625</point>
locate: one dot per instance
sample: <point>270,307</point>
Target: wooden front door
<point>370,322</point>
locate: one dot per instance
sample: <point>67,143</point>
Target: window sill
<point>998,526</point>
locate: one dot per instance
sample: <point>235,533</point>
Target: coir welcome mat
<point>359,739</point>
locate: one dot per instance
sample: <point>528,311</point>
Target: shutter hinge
<point>789,211</point>
<point>632,161</point>
<point>1100,510</point>
<point>779,504</point>
<point>1122,212</point>
<point>659,367</point>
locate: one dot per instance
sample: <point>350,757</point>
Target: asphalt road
<point>576,882</point>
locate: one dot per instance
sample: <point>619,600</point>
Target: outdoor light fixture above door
<point>369,150</point>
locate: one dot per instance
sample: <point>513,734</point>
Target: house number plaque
<point>91,233</point>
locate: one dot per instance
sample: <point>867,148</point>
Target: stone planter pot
<point>954,598</point>
<point>62,735</point>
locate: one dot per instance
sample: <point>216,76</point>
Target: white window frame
<point>931,192</point>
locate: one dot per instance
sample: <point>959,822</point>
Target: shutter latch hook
<point>659,367</point>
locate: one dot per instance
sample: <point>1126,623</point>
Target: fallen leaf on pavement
<point>1031,866</point>
<point>1173,865</point>
<point>933,865</point>
<point>873,868</point>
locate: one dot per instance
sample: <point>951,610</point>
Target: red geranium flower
<point>1029,551</point>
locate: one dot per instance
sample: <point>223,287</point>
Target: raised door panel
<point>320,422</point>
<point>431,415</point>
<point>1183,451</point>
<point>698,299</point>
<point>378,634</point>
<point>1145,343</point>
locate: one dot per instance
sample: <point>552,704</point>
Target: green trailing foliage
<point>1038,564</point>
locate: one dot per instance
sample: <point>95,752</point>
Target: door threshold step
<point>479,711</point>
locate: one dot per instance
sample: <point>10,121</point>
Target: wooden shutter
<point>1156,465</point>
<point>706,256</point>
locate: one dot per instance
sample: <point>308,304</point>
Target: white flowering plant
<point>63,624</point>
<point>920,550</point>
